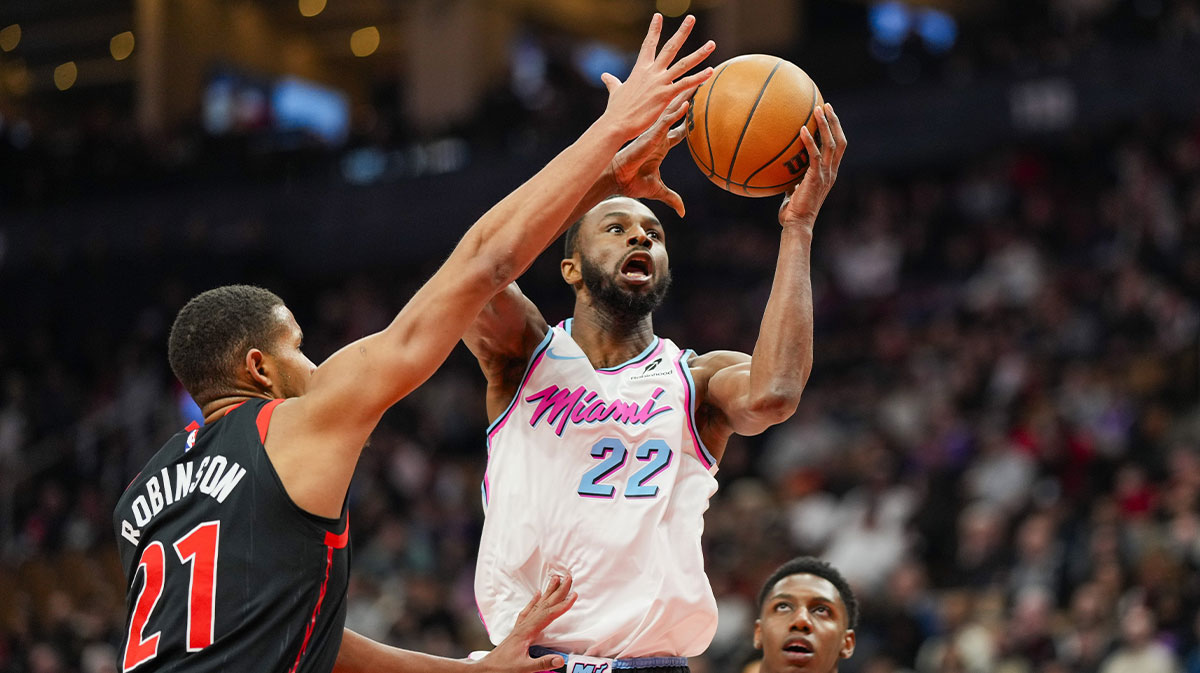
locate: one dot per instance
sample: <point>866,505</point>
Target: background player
<point>807,614</point>
<point>234,537</point>
<point>604,437</point>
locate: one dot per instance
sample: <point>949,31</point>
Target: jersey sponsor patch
<point>653,369</point>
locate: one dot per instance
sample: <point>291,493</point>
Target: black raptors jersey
<point>224,572</point>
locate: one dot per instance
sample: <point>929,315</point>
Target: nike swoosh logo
<point>550,354</point>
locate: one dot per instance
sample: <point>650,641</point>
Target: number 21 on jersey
<point>611,453</point>
<point>198,549</point>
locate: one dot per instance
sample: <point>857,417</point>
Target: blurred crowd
<point>999,445</point>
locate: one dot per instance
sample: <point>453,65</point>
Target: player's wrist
<point>802,228</point>
<point>616,127</point>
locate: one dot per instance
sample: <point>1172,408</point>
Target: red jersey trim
<point>332,542</point>
<point>338,541</point>
<point>264,418</point>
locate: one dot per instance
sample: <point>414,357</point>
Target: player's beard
<point>621,303</point>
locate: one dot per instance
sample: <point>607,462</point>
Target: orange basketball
<point>744,124</point>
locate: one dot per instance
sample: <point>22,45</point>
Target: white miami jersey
<point>600,472</point>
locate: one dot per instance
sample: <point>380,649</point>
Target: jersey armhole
<point>689,393</point>
<point>534,359</point>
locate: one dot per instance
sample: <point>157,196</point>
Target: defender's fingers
<point>650,44</point>
<point>691,60</point>
<point>558,587</point>
<point>610,82</point>
<point>549,662</point>
<point>544,615</point>
<point>688,84</point>
<point>672,46</point>
<point>529,607</point>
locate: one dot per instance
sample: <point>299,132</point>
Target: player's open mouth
<point>638,268</point>
<point>797,649</point>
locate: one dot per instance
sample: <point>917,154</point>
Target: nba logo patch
<point>191,441</point>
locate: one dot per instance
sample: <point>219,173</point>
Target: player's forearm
<point>359,654</point>
<point>783,354</point>
<point>602,188</point>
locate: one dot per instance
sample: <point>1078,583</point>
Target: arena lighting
<point>673,8</point>
<point>364,41</point>
<point>593,59</point>
<point>893,21</point>
<point>10,37</point>
<point>18,79</point>
<point>890,22</point>
<point>64,75</point>
<point>311,7</point>
<point>121,46</point>
<point>937,29</point>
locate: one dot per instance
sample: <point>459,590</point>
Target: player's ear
<point>758,634</point>
<point>257,370</point>
<point>848,642</point>
<point>571,271</point>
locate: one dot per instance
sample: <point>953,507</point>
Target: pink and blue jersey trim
<point>655,347</point>
<point>534,359</point>
<point>689,396</point>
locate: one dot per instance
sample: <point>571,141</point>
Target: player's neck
<point>215,409</point>
<point>607,340</point>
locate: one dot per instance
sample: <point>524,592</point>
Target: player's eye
<point>782,607</point>
<point>654,234</point>
<point>615,228</point>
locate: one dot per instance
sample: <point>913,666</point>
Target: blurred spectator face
<point>43,658</point>
<point>1087,606</point>
<point>1137,626</point>
<point>803,626</point>
<point>907,583</point>
<point>1031,614</point>
<point>1035,536</point>
<point>980,533</point>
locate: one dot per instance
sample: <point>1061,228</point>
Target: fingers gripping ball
<point>743,127</point>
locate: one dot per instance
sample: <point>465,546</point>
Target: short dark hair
<point>809,565</point>
<point>571,239</point>
<point>212,333</point>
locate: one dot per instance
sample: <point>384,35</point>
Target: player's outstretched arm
<point>315,439</point>
<point>363,655</point>
<point>751,394</point>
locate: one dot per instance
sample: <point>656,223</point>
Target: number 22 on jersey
<point>198,549</point>
<point>612,454</point>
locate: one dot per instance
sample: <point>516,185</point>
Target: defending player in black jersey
<point>234,537</point>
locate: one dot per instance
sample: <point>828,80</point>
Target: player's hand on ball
<point>633,105</point>
<point>512,654</point>
<point>636,167</point>
<point>800,207</point>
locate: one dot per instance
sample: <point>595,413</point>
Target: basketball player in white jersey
<point>605,438</point>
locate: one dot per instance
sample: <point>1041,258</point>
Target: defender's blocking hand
<point>633,105</point>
